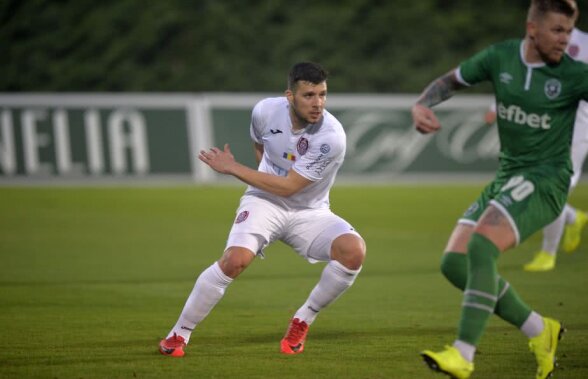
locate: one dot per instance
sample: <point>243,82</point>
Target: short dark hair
<point>306,72</point>
<point>539,8</point>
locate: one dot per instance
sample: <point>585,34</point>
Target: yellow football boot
<point>573,233</point>
<point>450,362</point>
<point>545,345</point>
<point>543,261</point>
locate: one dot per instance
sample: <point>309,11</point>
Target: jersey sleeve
<point>257,123</point>
<point>321,158</point>
<point>477,68</point>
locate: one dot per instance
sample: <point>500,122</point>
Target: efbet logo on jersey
<point>516,114</point>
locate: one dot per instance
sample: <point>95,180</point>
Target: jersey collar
<point>522,54</point>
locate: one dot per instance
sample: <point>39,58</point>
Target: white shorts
<point>310,232</point>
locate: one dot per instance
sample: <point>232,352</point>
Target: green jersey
<point>535,103</point>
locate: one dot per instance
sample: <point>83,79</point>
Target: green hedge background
<point>371,46</point>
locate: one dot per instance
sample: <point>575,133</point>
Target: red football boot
<point>172,346</point>
<point>293,341</point>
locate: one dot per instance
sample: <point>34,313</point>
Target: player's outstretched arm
<point>223,162</point>
<point>438,91</point>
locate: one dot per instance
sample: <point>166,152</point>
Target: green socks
<point>509,307</point>
<point>481,292</point>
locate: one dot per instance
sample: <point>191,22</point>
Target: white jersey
<point>578,46</point>
<point>315,152</point>
<point>578,50</point>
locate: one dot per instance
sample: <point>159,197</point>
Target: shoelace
<point>296,331</point>
<point>175,341</point>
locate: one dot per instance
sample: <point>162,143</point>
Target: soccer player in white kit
<point>300,147</point>
<point>571,221</point>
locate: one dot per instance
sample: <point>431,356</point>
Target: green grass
<point>92,278</point>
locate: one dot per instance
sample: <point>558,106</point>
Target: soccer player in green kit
<point>537,89</point>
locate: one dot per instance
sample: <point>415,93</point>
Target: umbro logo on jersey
<point>505,77</point>
<point>277,131</point>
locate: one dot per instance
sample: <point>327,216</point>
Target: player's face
<point>307,102</point>
<point>549,37</point>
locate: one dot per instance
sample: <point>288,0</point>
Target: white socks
<point>467,351</point>
<point>570,213</point>
<point>212,282</point>
<point>533,326</point>
<point>208,290</point>
<point>552,234</point>
<point>334,280</point>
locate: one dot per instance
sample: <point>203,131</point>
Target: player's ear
<point>531,29</point>
<point>289,95</point>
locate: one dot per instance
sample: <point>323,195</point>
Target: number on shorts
<point>521,188</point>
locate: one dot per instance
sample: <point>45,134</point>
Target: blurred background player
<point>300,147</point>
<point>537,89</point>
<point>571,221</point>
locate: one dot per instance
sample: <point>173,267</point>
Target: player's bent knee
<point>349,250</point>
<point>458,241</point>
<point>235,260</point>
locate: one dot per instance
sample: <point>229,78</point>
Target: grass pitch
<point>92,278</point>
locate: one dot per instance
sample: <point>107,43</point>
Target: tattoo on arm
<point>440,90</point>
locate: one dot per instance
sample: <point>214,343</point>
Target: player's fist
<point>424,119</point>
<point>490,117</point>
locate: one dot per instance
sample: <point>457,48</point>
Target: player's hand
<point>490,117</point>
<point>219,160</point>
<point>424,119</point>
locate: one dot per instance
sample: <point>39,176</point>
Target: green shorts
<point>531,198</point>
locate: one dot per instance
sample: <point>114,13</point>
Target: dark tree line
<point>243,45</point>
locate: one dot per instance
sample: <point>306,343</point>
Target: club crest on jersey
<point>325,148</point>
<point>573,50</point>
<point>302,146</point>
<point>242,217</point>
<point>552,88</point>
